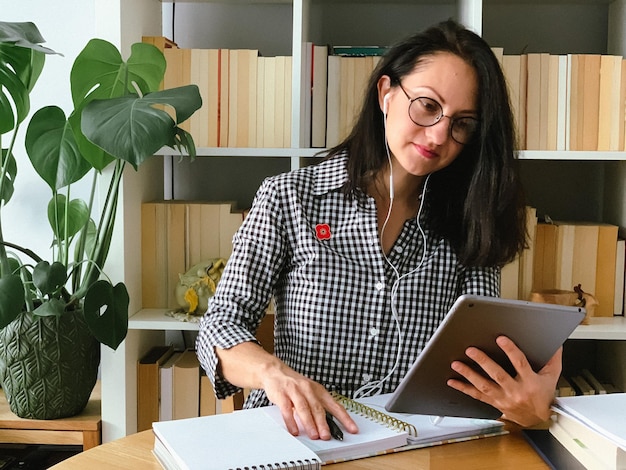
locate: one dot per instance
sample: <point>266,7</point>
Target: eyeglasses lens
<point>427,112</point>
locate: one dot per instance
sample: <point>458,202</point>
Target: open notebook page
<point>372,438</point>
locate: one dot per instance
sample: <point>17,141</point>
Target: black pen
<point>335,432</point>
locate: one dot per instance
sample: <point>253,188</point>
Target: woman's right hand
<point>299,398</point>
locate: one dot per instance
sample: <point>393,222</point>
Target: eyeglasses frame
<point>441,115</point>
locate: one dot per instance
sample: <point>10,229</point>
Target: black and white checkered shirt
<point>318,253</point>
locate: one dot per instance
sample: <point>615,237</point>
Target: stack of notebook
<point>589,431</point>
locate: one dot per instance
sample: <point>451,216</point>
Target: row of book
<point>172,385</point>
<point>583,382</point>
<point>246,97</point>
<point>176,235</point>
<point>562,255</point>
<point>568,101</point>
<point>560,102</point>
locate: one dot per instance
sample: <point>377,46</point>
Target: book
<point>186,386</point>
<point>359,51</point>
<point>620,275</point>
<point>333,100</point>
<point>243,439</point>
<point>533,101</point>
<point>149,386</point>
<point>590,447</point>
<point>318,98</point>
<point>544,261</point>
<point>551,450</point>
<point>591,98</point>
<point>166,404</point>
<point>601,413</point>
<point>526,258</point>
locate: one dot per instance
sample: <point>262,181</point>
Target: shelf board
<point>156,319</point>
<point>608,328</point>
<point>590,156</point>
<point>562,155</point>
<point>247,152</point>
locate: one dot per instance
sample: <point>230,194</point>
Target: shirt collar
<point>331,175</point>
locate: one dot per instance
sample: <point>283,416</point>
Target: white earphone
<point>385,104</point>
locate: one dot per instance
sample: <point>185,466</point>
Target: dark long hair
<point>477,201</point>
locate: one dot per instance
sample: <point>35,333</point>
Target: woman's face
<point>446,79</point>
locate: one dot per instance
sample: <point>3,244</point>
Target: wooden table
<point>509,451</point>
<point>84,429</point>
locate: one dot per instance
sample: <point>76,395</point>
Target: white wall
<point>24,218</point>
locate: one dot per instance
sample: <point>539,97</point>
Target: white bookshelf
<point>323,21</point>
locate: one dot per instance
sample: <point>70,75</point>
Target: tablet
<point>538,330</point>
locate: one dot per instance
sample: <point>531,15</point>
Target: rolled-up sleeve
<point>245,289</point>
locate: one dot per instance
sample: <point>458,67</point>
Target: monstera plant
<point>119,118</point>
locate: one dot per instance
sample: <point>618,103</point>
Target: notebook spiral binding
<point>297,465</point>
<point>375,415</point>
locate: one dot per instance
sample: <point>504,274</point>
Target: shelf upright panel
<point>470,13</point>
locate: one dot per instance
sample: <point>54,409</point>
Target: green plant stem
<point>4,259</point>
<point>104,232</point>
<point>65,245</point>
<point>82,240</point>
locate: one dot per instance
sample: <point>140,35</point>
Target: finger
<point>311,424</point>
<point>516,356</point>
<point>287,413</point>
<point>341,415</point>
<point>476,385</point>
<point>491,368</point>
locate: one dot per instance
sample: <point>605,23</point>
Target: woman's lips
<point>426,152</point>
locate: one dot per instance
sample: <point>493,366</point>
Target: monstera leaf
<point>109,327</point>
<point>11,298</point>
<point>99,72</point>
<point>7,180</point>
<point>20,67</point>
<point>52,148</point>
<point>139,124</point>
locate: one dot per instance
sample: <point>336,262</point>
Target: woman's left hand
<point>525,398</point>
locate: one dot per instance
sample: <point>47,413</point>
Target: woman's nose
<point>439,132</point>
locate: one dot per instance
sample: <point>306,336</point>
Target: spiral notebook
<point>257,438</point>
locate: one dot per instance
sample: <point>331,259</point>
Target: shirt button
<point>367,378</point>
<point>379,286</point>
<point>398,249</point>
<point>373,332</point>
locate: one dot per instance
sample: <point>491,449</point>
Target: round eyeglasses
<point>426,112</point>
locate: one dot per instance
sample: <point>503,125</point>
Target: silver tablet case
<point>538,330</point>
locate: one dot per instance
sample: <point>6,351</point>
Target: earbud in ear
<point>385,103</point>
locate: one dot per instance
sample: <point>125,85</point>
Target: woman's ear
<point>384,93</point>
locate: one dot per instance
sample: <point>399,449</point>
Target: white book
<point>242,439</point>
<point>590,448</point>
<point>166,404</point>
<point>562,133</point>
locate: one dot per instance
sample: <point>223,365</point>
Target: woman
<point>365,253</point>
